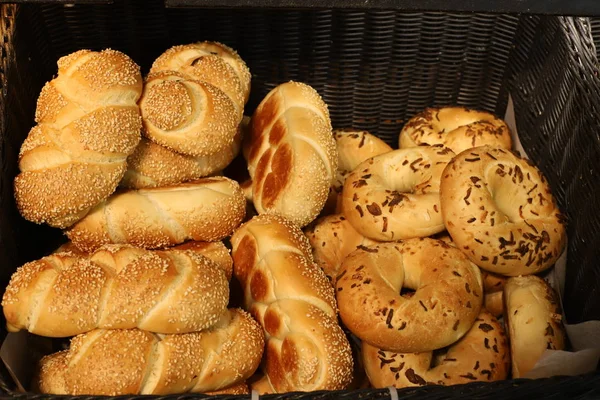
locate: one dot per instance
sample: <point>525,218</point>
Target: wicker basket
<point>375,69</point>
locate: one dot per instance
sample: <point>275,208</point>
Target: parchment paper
<point>585,337</point>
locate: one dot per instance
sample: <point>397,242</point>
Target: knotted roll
<point>457,128</point>
<point>204,210</point>
<point>481,355</point>
<point>88,124</point>
<point>120,362</point>
<point>499,209</point>
<point>117,287</point>
<point>291,153</point>
<point>294,302</point>
<point>447,299</point>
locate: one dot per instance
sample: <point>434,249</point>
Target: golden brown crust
<point>293,301</point>
<point>332,239</point>
<point>190,117</point>
<point>117,287</point>
<point>291,153</point>
<point>88,123</point>
<point>481,355</point>
<point>457,128</point>
<point>448,296</point>
<point>395,195</point>
<point>494,303</point>
<point>215,251</point>
<point>118,362</point>
<point>240,388</point>
<point>534,321</point>
<point>205,210</point>
<point>499,209</point>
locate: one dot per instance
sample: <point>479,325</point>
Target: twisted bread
<point>88,123</point>
<point>118,362</point>
<point>291,153</point>
<point>293,301</point>
<point>117,287</point>
<point>190,117</point>
<point>208,209</point>
<point>239,388</point>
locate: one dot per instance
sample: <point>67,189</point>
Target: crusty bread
<point>117,287</point>
<point>88,124</point>
<point>291,153</point>
<point>239,388</point>
<point>482,354</point>
<point>290,296</point>
<point>207,209</point>
<point>534,321</point>
<point>188,116</point>
<point>119,362</point>
<point>447,299</point>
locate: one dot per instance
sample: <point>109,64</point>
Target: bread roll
<point>117,287</point>
<point>204,210</point>
<point>88,123</point>
<point>190,117</point>
<point>534,321</point>
<point>291,153</point>
<point>240,388</point>
<point>499,209</point>
<point>121,362</point>
<point>295,304</point>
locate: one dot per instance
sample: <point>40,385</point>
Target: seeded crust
<point>214,251</point>
<point>457,128</point>
<point>190,117</point>
<point>88,124</point>
<point>293,301</point>
<point>240,388</point>
<point>291,153</point>
<point>152,165</point>
<point>500,211</point>
<point>448,295</point>
<point>353,147</point>
<point>534,321</point>
<point>120,362</point>
<point>481,355</point>
<point>117,287</point>
<point>204,210</point>
<point>395,196</point>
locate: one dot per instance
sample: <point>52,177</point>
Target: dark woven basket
<point>375,69</point>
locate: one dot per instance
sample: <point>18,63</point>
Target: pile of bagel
<point>214,252</point>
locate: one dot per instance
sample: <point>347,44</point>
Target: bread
<point>353,147</point>
<point>204,210</point>
<point>499,209</point>
<point>447,299</point>
<point>457,128</point>
<point>190,117</point>
<point>480,355</point>
<point>533,320</point>
<point>88,123</point>
<point>117,287</point>
<point>293,301</point>
<point>240,388</point>
<point>120,362</point>
<point>395,195</point>
<point>291,153</point>
<point>332,239</point>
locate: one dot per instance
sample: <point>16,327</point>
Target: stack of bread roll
<point>425,256</point>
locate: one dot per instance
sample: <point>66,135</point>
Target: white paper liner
<point>584,337</point>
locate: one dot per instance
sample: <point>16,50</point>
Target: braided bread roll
<point>119,362</point>
<point>291,153</point>
<point>88,124</point>
<point>117,287</point>
<point>205,210</point>
<point>290,296</point>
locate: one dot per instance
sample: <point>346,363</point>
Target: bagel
<point>500,211</point>
<point>457,128</point>
<point>533,320</point>
<point>332,238</point>
<point>353,147</point>
<point>481,355</point>
<point>395,195</point>
<point>448,295</point>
